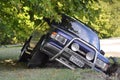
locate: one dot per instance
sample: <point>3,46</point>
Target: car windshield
<point>79,29</point>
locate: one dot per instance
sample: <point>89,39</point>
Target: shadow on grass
<point>10,64</point>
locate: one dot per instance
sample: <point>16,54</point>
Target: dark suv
<point>71,43</point>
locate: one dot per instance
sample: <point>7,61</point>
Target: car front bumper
<point>67,56</point>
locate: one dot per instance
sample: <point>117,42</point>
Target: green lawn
<point>10,69</point>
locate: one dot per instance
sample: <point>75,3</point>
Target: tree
<point>18,18</point>
<point>107,23</point>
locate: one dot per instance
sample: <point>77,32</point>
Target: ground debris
<point>114,76</point>
<point>9,61</point>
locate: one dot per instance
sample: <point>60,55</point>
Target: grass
<point>10,69</point>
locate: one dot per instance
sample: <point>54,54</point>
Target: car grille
<point>80,55</point>
<point>83,50</point>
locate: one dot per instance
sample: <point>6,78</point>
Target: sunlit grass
<point>9,52</point>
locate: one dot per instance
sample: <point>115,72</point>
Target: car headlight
<point>58,38</point>
<point>90,56</point>
<point>101,64</point>
<point>75,47</point>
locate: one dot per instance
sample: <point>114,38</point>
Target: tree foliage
<point>109,18</point>
<point>19,18</point>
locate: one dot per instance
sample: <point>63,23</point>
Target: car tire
<point>25,51</point>
<point>39,58</point>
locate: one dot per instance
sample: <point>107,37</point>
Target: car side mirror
<point>102,52</point>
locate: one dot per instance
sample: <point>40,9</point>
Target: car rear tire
<point>25,51</point>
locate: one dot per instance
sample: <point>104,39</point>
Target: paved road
<point>111,46</point>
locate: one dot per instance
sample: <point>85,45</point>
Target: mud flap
<point>39,59</point>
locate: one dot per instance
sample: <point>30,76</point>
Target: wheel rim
<point>24,49</point>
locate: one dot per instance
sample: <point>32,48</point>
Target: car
<point>69,42</point>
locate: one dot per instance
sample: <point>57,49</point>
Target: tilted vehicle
<point>69,42</point>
